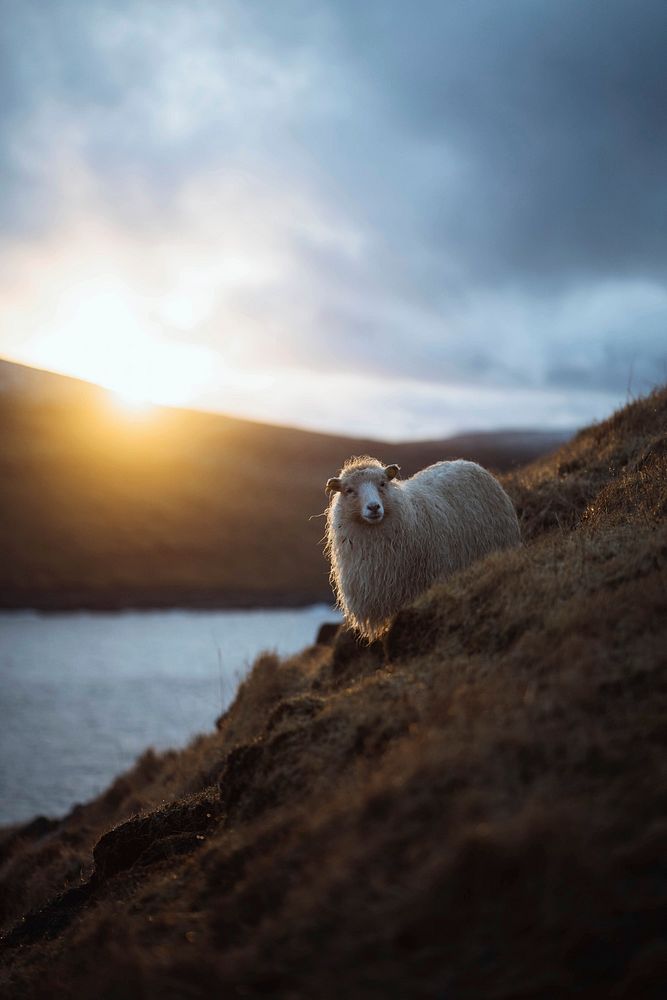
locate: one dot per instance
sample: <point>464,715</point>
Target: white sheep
<point>389,540</point>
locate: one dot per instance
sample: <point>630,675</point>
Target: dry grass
<point>474,809</point>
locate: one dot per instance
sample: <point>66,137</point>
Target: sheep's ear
<point>392,471</point>
<point>333,486</point>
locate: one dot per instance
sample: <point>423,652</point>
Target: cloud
<point>546,121</point>
<point>455,195</point>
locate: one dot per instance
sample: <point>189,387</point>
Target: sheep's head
<point>364,489</point>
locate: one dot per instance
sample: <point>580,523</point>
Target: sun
<point>102,333</point>
<point>131,403</point>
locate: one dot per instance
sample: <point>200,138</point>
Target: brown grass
<point>475,809</point>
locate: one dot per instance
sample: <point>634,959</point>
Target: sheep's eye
<point>383,483</point>
<point>349,491</point>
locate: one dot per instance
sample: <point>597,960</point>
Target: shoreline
<point>176,600</point>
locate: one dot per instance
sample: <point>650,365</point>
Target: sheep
<point>389,539</point>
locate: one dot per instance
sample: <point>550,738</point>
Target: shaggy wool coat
<point>436,523</point>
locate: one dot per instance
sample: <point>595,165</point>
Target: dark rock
<point>135,841</point>
<point>142,841</point>
<point>52,919</point>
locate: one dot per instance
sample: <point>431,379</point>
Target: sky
<point>397,219</point>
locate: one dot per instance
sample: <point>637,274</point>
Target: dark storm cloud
<point>555,116</point>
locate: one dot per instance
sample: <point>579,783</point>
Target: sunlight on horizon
<point>168,324</point>
<point>131,404</point>
<point>131,317</point>
<point>99,334</point>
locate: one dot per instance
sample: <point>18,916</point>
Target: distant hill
<point>176,507</point>
<point>473,808</point>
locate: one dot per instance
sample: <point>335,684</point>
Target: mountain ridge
<point>16,376</point>
<point>173,507</point>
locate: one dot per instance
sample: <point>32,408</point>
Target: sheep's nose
<point>373,508</point>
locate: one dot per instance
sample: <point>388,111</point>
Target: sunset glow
<point>131,405</point>
<point>207,207</point>
<point>101,330</point>
<point>136,364</point>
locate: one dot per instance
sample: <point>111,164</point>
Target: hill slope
<point>103,508</point>
<point>475,809</point>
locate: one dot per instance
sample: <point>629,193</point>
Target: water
<point>83,694</point>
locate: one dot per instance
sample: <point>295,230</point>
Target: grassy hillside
<point>100,507</point>
<point>475,809</point>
